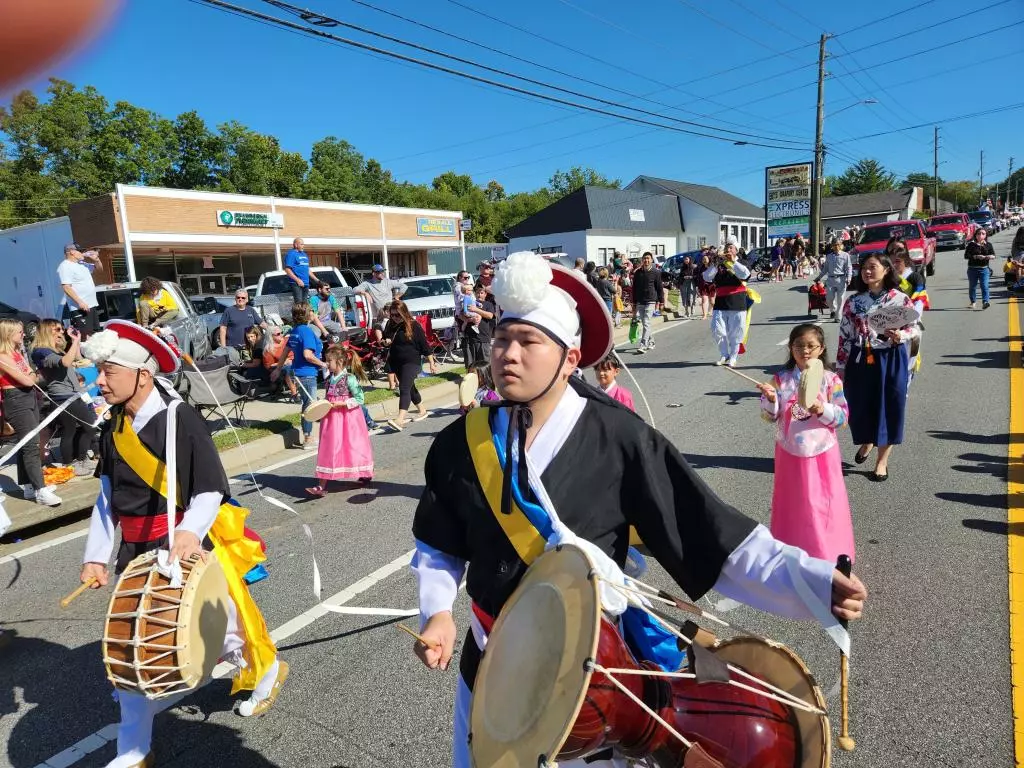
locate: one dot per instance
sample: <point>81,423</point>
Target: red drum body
<point>538,700</point>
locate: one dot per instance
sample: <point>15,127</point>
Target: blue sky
<point>174,55</point>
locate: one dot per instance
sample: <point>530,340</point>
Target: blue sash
<point>646,638</point>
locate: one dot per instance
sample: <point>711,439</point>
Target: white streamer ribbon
<point>42,425</point>
<point>170,569</point>
<point>823,613</point>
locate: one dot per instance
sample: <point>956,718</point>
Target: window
<point>744,237</point>
<point>553,249</point>
<point>657,250</point>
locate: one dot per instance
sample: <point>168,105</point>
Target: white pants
<point>727,328</point>
<point>135,731</point>
<point>460,739</point>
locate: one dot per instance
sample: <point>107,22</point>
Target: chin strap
<point>520,420</point>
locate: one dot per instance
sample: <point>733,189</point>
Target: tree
<point>378,186</point>
<point>256,165</point>
<point>454,183</point>
<point>920,179</point>
<point>335,172</point>
<point>564,182</point>
<point>495,191</point>
<point>199,154</point>
<point>864,176</point>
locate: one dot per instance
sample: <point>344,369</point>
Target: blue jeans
<point>370,423</point>
<point>307,391</point>
<point>974,276</point>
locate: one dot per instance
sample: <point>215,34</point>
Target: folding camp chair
<point>216,384</point>
<point>449,345</point>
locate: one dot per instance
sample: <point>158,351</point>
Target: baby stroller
<point>816,299</point>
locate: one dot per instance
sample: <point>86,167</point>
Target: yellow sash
<point>520,531</point>
<point>236,553</point>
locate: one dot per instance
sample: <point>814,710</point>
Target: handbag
<point>634,331</point>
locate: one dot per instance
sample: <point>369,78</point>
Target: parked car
<point>210,308</point>
<point>874,237</point>
<point>120,300</point>
<point>984,219</point>
<point>273,297</point>
<point>951,230</point>
<point>431,295</point>
<point>29,320</point>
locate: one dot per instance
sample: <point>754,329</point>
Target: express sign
<point>787,194</point>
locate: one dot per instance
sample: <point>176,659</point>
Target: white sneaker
<point>722,361</point>
<point>47,497</point>
<point>732,362</point>
<point>974,305</point>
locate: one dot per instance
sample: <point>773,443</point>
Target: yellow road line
<point>1015,527</point>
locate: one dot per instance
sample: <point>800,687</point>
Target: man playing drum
<point>129,358</point>
<point>574,450</point>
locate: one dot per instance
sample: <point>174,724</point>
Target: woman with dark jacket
<point>979,254</point>
<point>408,346</point>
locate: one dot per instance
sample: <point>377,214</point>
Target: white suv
<point>431,295</point>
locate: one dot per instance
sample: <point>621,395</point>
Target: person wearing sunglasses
<point>233,323</point>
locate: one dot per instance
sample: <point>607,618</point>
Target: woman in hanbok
<point>810,506</point>
<point>345,452</point>
<point>874,360</point>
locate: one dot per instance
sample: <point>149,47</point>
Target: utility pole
<point>935,172</point>
<point>981,178</point>
<point>1009,176</point>
<point>819,154</point>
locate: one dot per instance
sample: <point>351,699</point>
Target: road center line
<point>1015,527</point>
<point>108,733</point>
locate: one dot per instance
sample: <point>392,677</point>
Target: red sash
<point>141,528</point>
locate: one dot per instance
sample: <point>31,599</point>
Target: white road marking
<point>108,733</point>
<point>31,550</point>
<point>356,610</point>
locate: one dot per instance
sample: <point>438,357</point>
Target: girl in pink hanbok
<point>345,452</point>
<point>810,506</point>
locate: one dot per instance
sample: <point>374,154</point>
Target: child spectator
<point>607,371</point>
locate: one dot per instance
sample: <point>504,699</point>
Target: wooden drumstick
<point>85,585</point>
<point>846,742</point>
<point>421,638</point>
<point>740,373</point>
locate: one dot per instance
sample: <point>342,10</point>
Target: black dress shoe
<point>860,458</point>
<point>879,478</point>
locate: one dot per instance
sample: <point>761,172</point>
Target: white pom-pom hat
<point>132,346</point>
<point>559,301</point>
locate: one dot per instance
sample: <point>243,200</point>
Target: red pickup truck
<point>875,237</point>
<point>951,230</point>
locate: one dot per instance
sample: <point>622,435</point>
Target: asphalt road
<point>930,667</point>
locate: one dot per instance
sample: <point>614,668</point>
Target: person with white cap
<point>555,459</point>
<point>80,300</point>
<point>132,361</point>
<point>380,290</point>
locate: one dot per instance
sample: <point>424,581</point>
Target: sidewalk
<point>80,493</point>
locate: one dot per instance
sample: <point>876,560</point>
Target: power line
<point>983,113</point>
<point>312,31</point>
<point>909,9</point>
<point>492,49</point>
<point>732,29</point>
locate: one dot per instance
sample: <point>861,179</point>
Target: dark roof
<point>602,208</point>
<point>712,198</point>
<point>862,205</point>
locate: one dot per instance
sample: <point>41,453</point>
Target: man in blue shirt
<point>296,266</point>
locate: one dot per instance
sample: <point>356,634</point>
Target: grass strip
<point>225,440</point>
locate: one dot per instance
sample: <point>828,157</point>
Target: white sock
<point>261,692</point>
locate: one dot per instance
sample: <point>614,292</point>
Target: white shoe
<point>974,305</point>
<point>732,362</point>
<point>723,361</point>
<point>47,497</point>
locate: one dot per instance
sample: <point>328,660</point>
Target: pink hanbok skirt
<point>345,452</point>
<point>810,506</point>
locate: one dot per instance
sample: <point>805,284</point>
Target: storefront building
<point>213,242</point>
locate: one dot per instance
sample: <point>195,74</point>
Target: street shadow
<point>50,713</point>
<point>967,437</point>
<point>667,364</point>
<point>382,490</point>
<point>996,359</point>
<point>761,464</point>
<point>994,526</point>
<point>791,318</point>
<point>735,398</point>
<point>984,464</point>
<point>342,635</point>
<point>1003,339</point>
<point>293,486</point>
<point>991,501</point>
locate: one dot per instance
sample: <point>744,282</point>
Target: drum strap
<point>523,535</point>
<point>237,554</point>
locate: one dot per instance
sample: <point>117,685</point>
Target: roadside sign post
<point>465,225</point>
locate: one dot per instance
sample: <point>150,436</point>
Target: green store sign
<point>254,219</point>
